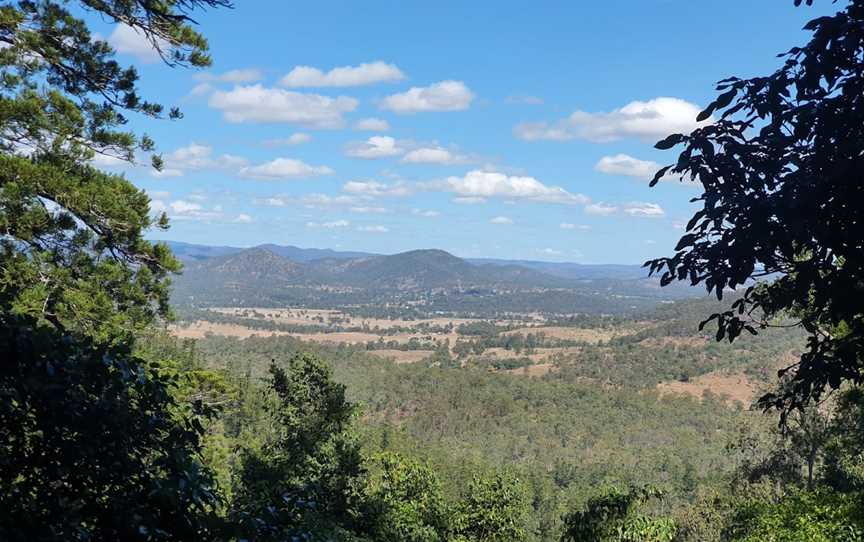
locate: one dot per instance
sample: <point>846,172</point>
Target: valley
<point>420,308</point>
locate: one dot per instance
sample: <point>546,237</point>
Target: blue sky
<point>505,129</point>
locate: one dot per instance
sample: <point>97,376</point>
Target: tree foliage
<point>614,517</point>
<point>94,444</point>
<point>780,164</point>
<point>302,478</point>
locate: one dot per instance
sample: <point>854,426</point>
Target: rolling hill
<point>426,280</point>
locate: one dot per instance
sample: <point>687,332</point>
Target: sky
<point>488,129</point>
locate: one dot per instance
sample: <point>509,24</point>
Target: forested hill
<point>432,279</point>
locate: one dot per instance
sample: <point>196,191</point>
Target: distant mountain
<point>433,279</point>
<point>576,271</point>
<point>310,254</point>
<point>191,252</point>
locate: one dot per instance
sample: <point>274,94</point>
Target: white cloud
<point>323,201</point>
<point>157,207</point>
<point>105,160</point>
<point>372,124</point>
<point>274,201</point>
<point>487,184</point>
<point>571,226</point>
<point>180,206</point>
<point>376,189</point>
<point>127,40</point>
<point>297,138</point>
<point>601,209</point>
<point>165,173</point>
<point>197,156</point>
<point>623,164</point>
<point>159,194</point>
<point>185,210</point>
<point>501,220</point>
<point>310,201</point>
<point>648,121</point>
<point>375,147</point>
<point>425,213</point>
<point>434,155</point>
<point>643,210</point>
<point>344,76</point>
<point>242,218</point>
<point>369,210</point>
<point>283,168</point>
<point>328,225</point>
<point>201,89</point>
<point>443,96</point>
<point>248,75</point>
<point>256,103</point>
<point>374,229</point>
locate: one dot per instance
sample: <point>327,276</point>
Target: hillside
<point>434,280</point>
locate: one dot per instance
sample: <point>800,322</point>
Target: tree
<point>93,444</point>
<point>613,516</point>
<point>404,501</point>
<point>495,509</point>
<point>780,163</point>
<point>302,479</point>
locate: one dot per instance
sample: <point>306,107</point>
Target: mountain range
<point>273,275</point>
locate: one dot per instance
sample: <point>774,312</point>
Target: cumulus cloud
<point>166,172</point>
<point>443,96</point>
<point>106,160</point>
<point>310,201</point>
<point>375,147</point>
<point>328,225</point>
<point>601,209</point>
<point>376,189</point>
<point>648,121</point>
<point>201,89</point>
<point>501,220</point>
<point>365,209</point>
<point>488,184</point>
<point>373,229</point>
<point>643,210</point>
<point>283,169</point>
<point>371,124</point>
<point>428,213</point>
<point>344,76</point>
<point>637,209</point>
<point>127,40</point>
<point>297,138</point>
<point>247,75</point>
<point>187,210</point>
<point>260,104</point>
<point>623,164</point>
<point>434,155</point>
<point>197,156</point>
<point>242,218</point>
